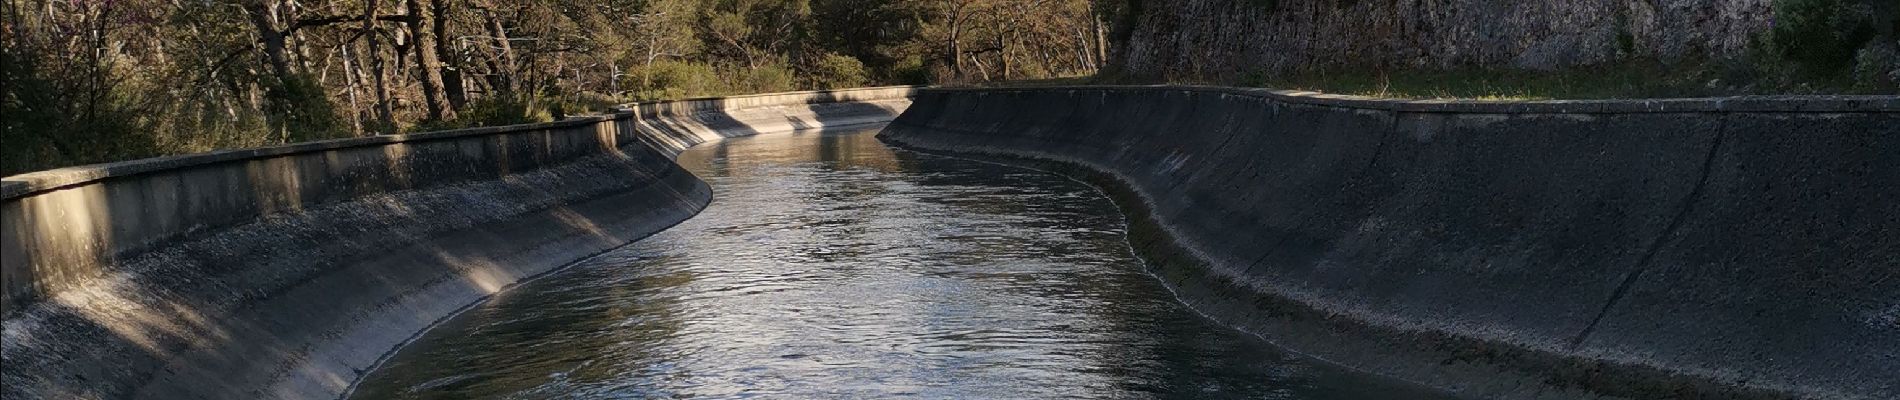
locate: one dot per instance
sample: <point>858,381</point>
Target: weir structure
<point>288,272</point>
<point>1689,248</point>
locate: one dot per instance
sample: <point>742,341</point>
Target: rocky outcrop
<point>1199,38</point>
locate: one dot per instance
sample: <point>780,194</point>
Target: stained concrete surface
<point>1702,248</point>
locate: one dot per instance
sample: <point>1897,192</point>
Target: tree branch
<point>337,19</point>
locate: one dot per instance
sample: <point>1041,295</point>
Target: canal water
<point>832,266</point>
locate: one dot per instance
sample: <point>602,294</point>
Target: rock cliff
<point>1226,38</point>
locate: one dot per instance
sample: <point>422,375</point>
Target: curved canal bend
<point>829,266</point>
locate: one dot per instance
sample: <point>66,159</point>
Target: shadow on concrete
<point>288,272</point>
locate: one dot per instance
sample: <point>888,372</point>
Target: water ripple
<point>831,266</point>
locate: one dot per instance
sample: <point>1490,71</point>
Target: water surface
<point>832,266</point>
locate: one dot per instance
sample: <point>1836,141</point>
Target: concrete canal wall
<point>287,272</point>
<point>1695,248</point>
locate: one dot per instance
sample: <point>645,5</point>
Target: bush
<point>836,71</point>
<point>1878,68</point>
<point>767,78</point>
<point>505,110</point>
<point>911,71</point>
<point>300,110</point>
<point>48,119</point>
<point>671,79</point>
<point>1823,37</point>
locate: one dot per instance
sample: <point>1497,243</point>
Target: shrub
<point>300,110</point>
<point>911,71</point>
<point>1878,68</point>
<point>1821,36</point>
<point>499,110</point>
<point>671,79</point>
<point>766,78</point>
<point>834,71</point>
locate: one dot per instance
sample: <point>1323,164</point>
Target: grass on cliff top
<point>1615,81</point>
<point>1601,82</point>
<point>1492,84</point>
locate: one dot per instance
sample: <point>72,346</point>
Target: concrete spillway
<point>287,272</point>
<point>1698,248</point>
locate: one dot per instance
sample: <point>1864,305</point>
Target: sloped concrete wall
<point>1699,248</point>
<point>287,272</point>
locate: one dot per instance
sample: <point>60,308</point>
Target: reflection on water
<point>830,266</point>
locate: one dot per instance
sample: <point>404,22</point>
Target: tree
<point>91,81</point>
<point>422,29</point>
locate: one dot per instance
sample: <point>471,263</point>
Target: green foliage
<point>768,77</point>
<point>41,133</point>
<point>299,110</point>
<point>1267,6</point>
<point>504,110</point>
<point>515,110</point>
<point>911,71</point>
<point>55,116</point>
<point>589,102</point>
<point>23,151</point>
<point>94,81</point>
<point>1878,68</point>
<point>835,71</point>
<point>670,79</point>
<point>1821,36</point>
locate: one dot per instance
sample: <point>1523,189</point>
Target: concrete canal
<point>829,265</point>
<point>1718,248</point>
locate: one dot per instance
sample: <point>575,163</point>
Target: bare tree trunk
<point>1002,57</point>
<point>385,115</point>
<point>271,32</point>
<point>646,72</point>
<point>1049,61</point>
<point>422,36</point>
<point>1101,38</point>
<point>1002,49</point>
<point>353,76</point>
<point>980,67</point>
<point>263,18</point>
<point>1084,50</point>
<point>956,48</point>
<point>96,86</point>
<point>956,9</point>
<point>502,76</point>
<point>399,57</point>
<point>451,75</point>
<point>613,79</point>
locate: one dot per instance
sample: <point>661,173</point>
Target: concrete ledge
<point>1696,248</point>
<point>14,187</point>
<point>1753,104</point>
<point>287,272</point>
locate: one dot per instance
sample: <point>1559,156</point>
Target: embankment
<point>1695,248</point>
<point>287,272</point>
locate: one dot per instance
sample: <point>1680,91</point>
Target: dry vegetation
<point>99,80</point>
